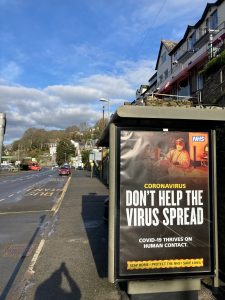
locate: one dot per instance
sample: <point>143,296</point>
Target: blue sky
<point>58,58</point>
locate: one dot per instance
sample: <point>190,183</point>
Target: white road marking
<point>35,257</point>
<point>55,209</point>
<point>56,206</point>
<point>11,195</point>
<point>23,212</point>
<point>2,200</point>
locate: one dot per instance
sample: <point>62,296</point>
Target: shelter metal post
<point>216,278</point>
<point>112,197</point>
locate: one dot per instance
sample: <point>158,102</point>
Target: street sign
<point>91,157</point>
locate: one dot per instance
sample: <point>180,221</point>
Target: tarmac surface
<point>71,262</point>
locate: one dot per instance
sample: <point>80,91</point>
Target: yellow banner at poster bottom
<point>167,263</point>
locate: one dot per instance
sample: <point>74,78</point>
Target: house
<point>140,94</point>
<point>178,70</point>
<point>152,82</point>
<point>163,64</point>
<point>143,88</point>
<point>179,64</point>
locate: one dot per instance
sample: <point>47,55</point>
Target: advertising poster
<point>165,215</point>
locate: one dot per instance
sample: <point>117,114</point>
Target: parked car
<point>34,167</point>
<point>64,170</point>
<point>8,167</point>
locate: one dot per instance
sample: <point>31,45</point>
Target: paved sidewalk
<point>73,262</point>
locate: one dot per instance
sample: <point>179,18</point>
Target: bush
<point>214,64</point>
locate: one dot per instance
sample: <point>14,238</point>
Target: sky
<point>58,58</point>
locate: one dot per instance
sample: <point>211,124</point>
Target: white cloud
<point>109,86</point>
<point>139,72</point>
<point>73,94</point>
<point>60,106</point>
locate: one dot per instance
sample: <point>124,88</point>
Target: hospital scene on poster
<point>165,220</point>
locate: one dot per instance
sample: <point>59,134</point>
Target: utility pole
<point>103,116</point>
<point>2,132</point>
<point>103,120</point>
<point>18,152</point>
<point>106,100</point>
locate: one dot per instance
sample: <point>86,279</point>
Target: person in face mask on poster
<point>179,156</point>
<point>175,162</point>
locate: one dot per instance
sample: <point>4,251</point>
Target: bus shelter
<point>163,198</point>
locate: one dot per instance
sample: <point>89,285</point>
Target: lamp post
<point>103,116</point>
<point>2,132</point>
<point>65,157</point>
<point>106,100</point>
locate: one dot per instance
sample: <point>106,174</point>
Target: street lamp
<point>106,100</point>
<point>65,157</point>
<point>103,121</point>
<point>103,116</point>
<point>2,132</point>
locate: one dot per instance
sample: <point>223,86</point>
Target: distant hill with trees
<point>35,142</point>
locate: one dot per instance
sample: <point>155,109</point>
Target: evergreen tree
<point>65,150</point>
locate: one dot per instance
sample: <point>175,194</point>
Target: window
<point>193,82</point>
<point>163,58</point>
<point>201,31</point>
<point>184,88</point>
<point>160,79</point>
<point>214,20</point>
<point>166,73</point>
<point>175,55</point>
<point>200,82</point>
<point>192,41</point>
<point>206,25</point>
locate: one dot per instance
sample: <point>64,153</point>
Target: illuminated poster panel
<point>164,203</point>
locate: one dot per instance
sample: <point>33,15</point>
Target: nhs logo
<point>198,138</point>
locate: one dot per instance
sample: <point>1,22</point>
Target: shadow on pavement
<point>97,230</point>
<point>51,288</point>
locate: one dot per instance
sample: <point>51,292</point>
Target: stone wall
<point>151,101</point>
<point>214,88</point>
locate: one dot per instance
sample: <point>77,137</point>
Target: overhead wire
<point>152,24</point>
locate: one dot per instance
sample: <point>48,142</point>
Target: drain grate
<point>18,250</point>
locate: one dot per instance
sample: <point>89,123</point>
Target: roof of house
<point>153,76</point>
<point>169,45</point>
<point>200,21</point>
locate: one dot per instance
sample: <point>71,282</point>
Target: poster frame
<point>164,275</point>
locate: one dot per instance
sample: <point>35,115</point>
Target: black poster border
<point>162,275</point>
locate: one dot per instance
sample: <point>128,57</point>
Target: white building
<point>53,148</point>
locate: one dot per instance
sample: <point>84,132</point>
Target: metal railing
<point>171,96</point>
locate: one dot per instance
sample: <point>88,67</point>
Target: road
<point>27,203</point>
